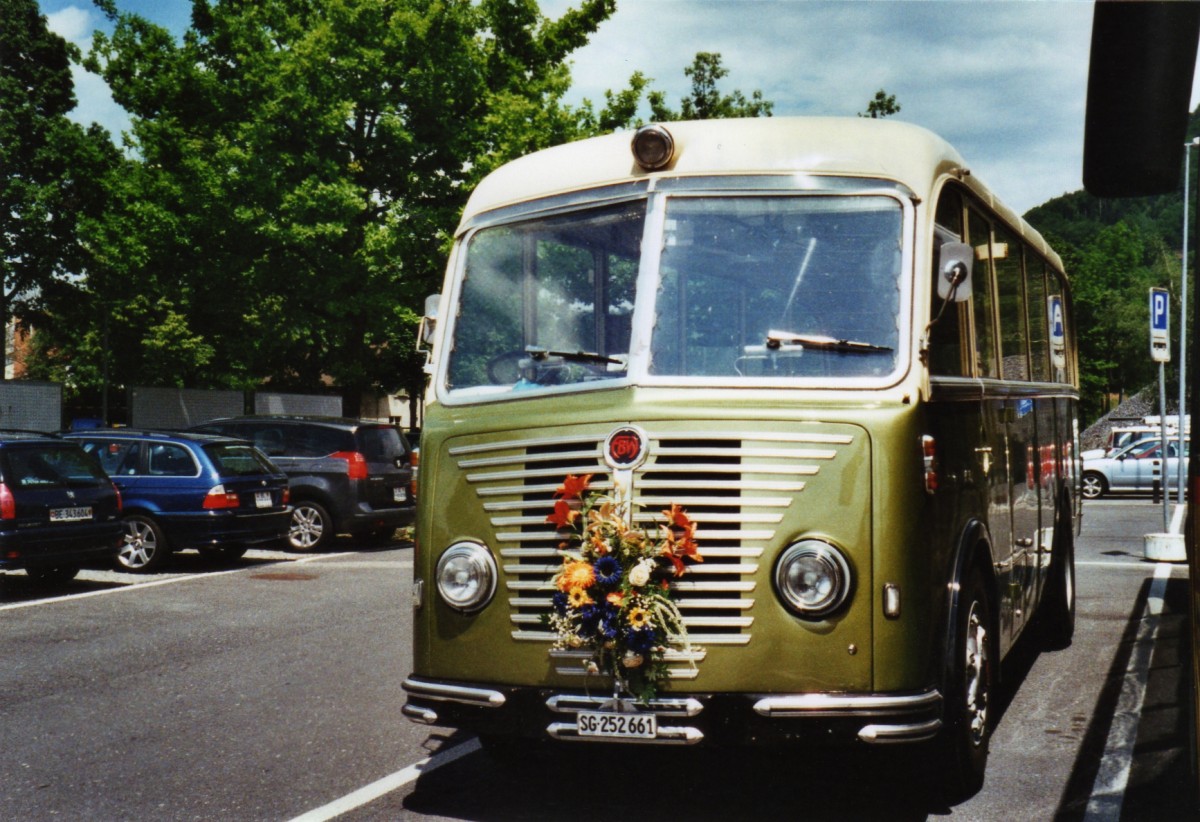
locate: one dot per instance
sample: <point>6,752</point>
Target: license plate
<point>70,514</point>
<point>262,499</point>
<point>399,494</point>
<point>617,726</point>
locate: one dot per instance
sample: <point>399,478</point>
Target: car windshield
<point>49,467</point>
<point>749,287</point>
<point>233,460</point>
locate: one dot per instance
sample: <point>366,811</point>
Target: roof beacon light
<point>653,147</point>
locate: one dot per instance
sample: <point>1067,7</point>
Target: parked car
<point>1135,467</point>
<point>216,494</point>
<point>58,510</point>
<point>347,475</point>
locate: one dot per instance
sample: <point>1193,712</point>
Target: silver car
<point>1135,467</point>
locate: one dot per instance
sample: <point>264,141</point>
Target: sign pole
<point>1160,352</point>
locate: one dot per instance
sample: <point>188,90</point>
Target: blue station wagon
<point>180,490</point>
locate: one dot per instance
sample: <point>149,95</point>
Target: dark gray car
<point>346,475</point>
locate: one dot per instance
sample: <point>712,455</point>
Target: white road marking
<point>381,787</point>
<point>154,583</point>
<point>1108,791</point>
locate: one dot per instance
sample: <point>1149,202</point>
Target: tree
<point>300,169</point>
<point>52,166</point>
<point>884,105</point>
<point>706,102</point>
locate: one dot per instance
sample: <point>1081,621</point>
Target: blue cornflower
<point>607,570</point>
<point>640,640</point>
<point>560,603</point>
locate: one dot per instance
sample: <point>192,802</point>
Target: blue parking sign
<point>1160,316</point>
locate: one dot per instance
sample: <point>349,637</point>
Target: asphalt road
<point>270,690</point>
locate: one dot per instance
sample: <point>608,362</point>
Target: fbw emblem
<point>625,448</point>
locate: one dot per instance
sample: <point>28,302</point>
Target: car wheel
<point>963,743</point>
<point>144,548</point>
<point>55,575</point>
<point>1094,485</point>
<point>311,527</point>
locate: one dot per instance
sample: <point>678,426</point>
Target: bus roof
<point>841,146</point>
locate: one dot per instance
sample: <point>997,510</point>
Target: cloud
<point>95,100</point>
<point>1004,82</point>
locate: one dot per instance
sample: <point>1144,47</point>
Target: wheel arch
<point>972,552</point>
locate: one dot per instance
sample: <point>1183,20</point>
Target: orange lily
<point>573,487</point>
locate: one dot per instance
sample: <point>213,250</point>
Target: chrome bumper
<point>874,718</point>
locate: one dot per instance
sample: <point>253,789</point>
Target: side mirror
<point>954,271</point>
<point>433,304</point>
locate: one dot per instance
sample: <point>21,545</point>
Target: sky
<point>1004,82</point>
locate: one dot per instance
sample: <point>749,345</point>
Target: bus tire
<point>1056,614</point>
<point>962,747</point>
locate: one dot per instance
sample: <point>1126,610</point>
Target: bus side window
<point>947,351</point>
<point>979,236</point>
<point>1010,298</point>
<point>1039,334</point>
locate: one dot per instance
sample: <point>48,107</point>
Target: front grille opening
<point>702,476</point>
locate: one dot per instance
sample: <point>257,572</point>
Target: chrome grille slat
<point>524,459</point>
<point>759,453</point>
<point>741,502</point>
<point>737,488</point>
<point>560,472</point>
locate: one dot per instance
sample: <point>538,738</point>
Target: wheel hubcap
<point>976,675</point>
<point>307,528</point>
<point>139,546</point>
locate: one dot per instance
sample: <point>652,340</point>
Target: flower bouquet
<point>612,595</point>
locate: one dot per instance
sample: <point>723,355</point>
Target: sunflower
<point>578,597</point>
<point>638,618</point>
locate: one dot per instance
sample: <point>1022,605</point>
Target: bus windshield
<point>750,287</point>
<point>757,287</point>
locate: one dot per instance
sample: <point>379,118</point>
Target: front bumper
<point>684,719</point>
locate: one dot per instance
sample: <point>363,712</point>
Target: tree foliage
<point>52,166</point>
<point>883,105</point>
<point>300,167</point>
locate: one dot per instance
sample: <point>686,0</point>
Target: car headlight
<point>466,576</point>
<point>812,578</point>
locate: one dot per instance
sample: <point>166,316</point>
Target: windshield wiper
<point>776,339</point>
<point>538,354</point>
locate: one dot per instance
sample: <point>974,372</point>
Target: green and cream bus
<point>826,381</point>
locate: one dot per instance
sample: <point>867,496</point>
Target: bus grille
<point>737,489</point>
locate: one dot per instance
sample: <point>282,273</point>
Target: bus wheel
<point>1056,614</point>
<point>1094,485</point>
<point>963,744</point>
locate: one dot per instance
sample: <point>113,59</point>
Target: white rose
<point>640,574</point>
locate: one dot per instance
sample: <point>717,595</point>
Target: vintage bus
<point>826,381</point>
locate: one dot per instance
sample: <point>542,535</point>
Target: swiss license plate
<point>262,499</point>
<point>70,514</point>
<point>617,726</point>
<point>399,494</point>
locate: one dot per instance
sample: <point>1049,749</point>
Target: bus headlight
<point>466,576</point>
<point>812,578</point>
